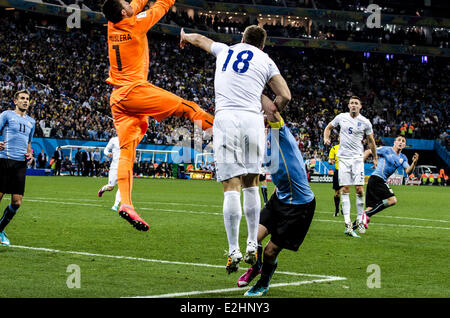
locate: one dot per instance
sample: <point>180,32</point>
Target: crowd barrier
<point>181,155</point>
<point>177,154</point>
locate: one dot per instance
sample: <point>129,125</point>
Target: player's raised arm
<point>149,18</point>
<point>138,5</point>
<point>373,149</point>
<point>283,95</point>
<point>410,168</point>
<point>195,39</point>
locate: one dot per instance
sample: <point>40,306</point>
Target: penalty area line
<point>321,278</point>
<point>236,289</point>
<point>140,259</point>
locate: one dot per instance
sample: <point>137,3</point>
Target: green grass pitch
<point>62,222</point>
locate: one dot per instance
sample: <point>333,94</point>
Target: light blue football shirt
<point>284,162</point>
<point>388,162</point>
<point>16,131</point>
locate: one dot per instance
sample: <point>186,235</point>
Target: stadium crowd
<point>96,4</point>
<point>70,96</point>
<point>299,29</point>
<point>411,8</point>
<point>319,30</point>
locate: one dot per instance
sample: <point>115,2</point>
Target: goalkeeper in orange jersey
<point>133,99</point>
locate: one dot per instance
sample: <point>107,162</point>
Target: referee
<point>16,129</point>
<point>333,159</point>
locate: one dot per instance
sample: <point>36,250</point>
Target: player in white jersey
<point>353,127</point>
<point>112,150</point>
<point>242,71</point>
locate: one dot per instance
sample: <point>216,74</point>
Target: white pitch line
<point>100,205</point>
<point>58,200</point>
<point>394,225</point>
<point>131,258</point>
<point>136,202</point>
<point>409,218</point>
<point>214,213</point>
<point>236,289</point>
<point>325,278</point>
<point>65,203</point>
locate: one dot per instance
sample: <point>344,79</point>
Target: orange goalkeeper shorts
<point>132,105</point>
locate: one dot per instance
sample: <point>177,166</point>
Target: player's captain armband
<point>141,15</point>
<point>277,125</point>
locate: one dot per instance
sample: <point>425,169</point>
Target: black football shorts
<point>287,223</point>
<point>377,191</point>
<point>12,176</point>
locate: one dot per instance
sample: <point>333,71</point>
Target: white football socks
<point>232,215</point>
<point>118,198</point>
<point>345,199</point>
<point>252,209</point>
<point>359,207</point>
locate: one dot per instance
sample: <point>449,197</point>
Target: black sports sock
<point>264,193</point>
<point>337,200</point>
<point>8,214</point>
<point>379,207</point>
<point>258,263</point>
<point>266,274</point>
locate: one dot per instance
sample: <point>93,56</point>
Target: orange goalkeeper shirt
<point>128,44</point>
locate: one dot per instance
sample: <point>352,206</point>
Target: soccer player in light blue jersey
<point>16,129</point>
<point>379,194</point>
<point>290,210</point>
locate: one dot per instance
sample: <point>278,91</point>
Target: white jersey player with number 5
<point>353,127</point>
<point>112,150</point>
<point>242,71</point>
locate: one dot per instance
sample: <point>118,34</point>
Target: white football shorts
<point>112,175</point>
<point>239,141</point>
<point>351,171</point>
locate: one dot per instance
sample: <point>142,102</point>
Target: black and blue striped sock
<point>8,214</point>
<point>268,269</point>
<point>379,207</point>
<point>258,263</point>
<point>264,193</point>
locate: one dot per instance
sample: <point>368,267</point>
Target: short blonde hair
<point>23,91</point>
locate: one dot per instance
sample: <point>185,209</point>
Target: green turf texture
<point>409,242</point>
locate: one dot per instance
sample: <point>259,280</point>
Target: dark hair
<point>354,97</point>
<point>112,10</point>
<point>255,35</point>
<point>23,91</point>
<point>400,136</point>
